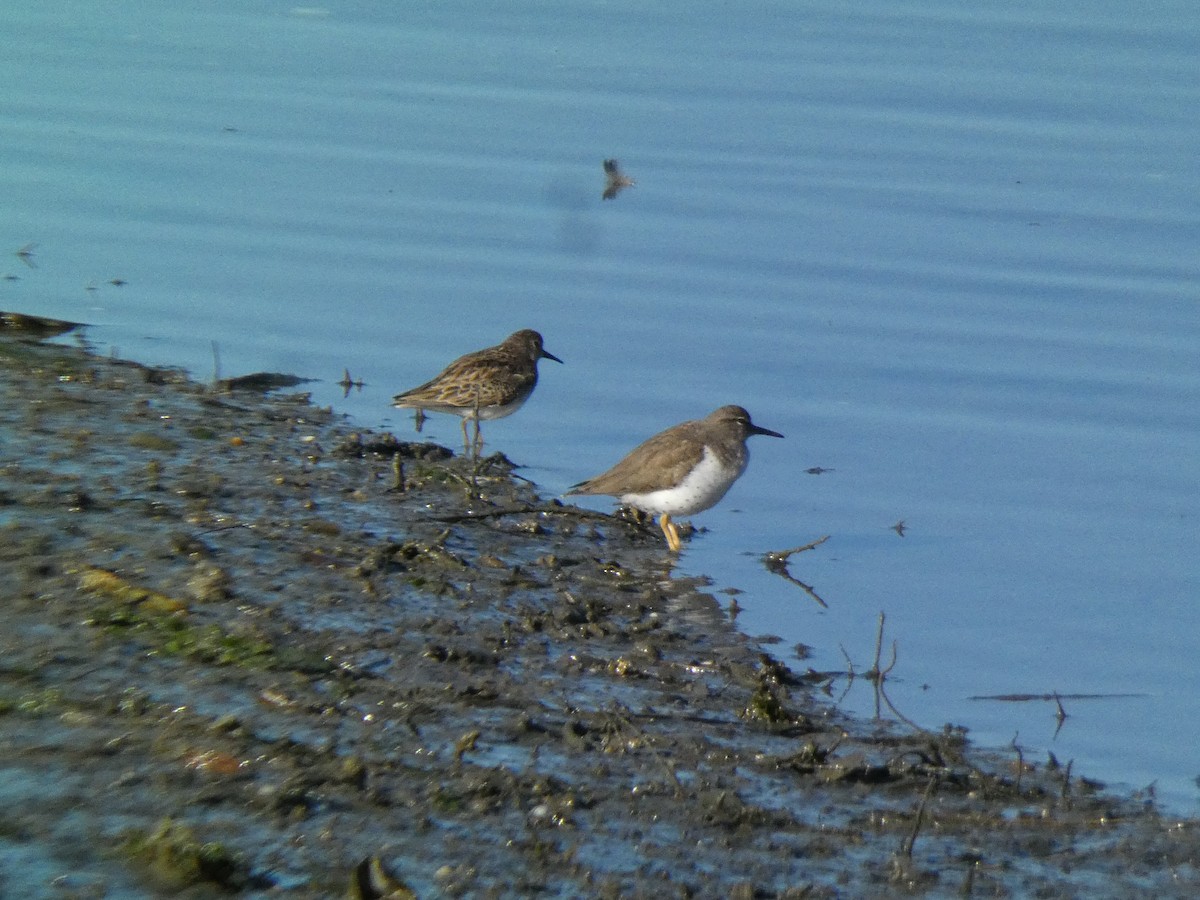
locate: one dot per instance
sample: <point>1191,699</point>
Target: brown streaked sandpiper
<point>683,470</point>
<point>615,180</point>
<point>487,384</point>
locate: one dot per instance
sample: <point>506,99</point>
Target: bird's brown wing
<point>658,463</point>
<point>480,377</point>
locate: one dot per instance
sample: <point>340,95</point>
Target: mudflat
<point>248,648</point>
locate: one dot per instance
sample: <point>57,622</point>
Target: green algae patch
<point>176,859</point>
<point>171,635</point>
<point>162,622</point>
<point>112,586</point>
<point>213,644</point>
<point>45,701</point>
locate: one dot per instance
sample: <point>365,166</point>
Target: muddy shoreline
<point>248,647</point>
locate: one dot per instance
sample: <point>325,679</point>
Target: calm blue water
<point>949,252</point>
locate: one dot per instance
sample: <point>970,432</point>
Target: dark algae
<point>251,650</point>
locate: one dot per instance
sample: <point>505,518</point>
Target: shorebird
<point>487,384</point>
<point>681,471</point>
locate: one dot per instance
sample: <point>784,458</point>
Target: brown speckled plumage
<point>487,384</point>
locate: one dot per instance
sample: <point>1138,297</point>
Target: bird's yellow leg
<point>670,532</point>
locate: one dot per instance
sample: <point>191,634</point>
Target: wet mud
<point>248,649</point>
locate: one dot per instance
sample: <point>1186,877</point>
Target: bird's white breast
<point>703,487</point>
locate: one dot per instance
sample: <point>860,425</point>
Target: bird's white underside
<point>486,413</point>
<point>703,487</point>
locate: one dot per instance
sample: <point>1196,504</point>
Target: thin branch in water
<point>850,674</point>
<point>874,675</point>
<point>1026,698</point>
<point>874,672</point>
<point>878,676</point>
<point>349,382</point>
<point>784,554</point>
<point>895,712</point>
<point>776,562</point>
<point>849,662</point>
<point>1020,760</point>
<point>1061,715</point>
<point>906,846</point>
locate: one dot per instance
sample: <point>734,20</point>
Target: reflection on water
<point>950,253</point>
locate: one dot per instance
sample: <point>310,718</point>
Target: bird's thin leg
<point>466,438</point>
<point>670,532</point>
<point>478,444</point>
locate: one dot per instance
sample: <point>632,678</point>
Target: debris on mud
<point>250,649</point>
<point>33,327</point>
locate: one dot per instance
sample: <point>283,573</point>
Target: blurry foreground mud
<point>246,649</point>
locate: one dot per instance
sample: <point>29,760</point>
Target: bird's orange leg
<point>670,532</point>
